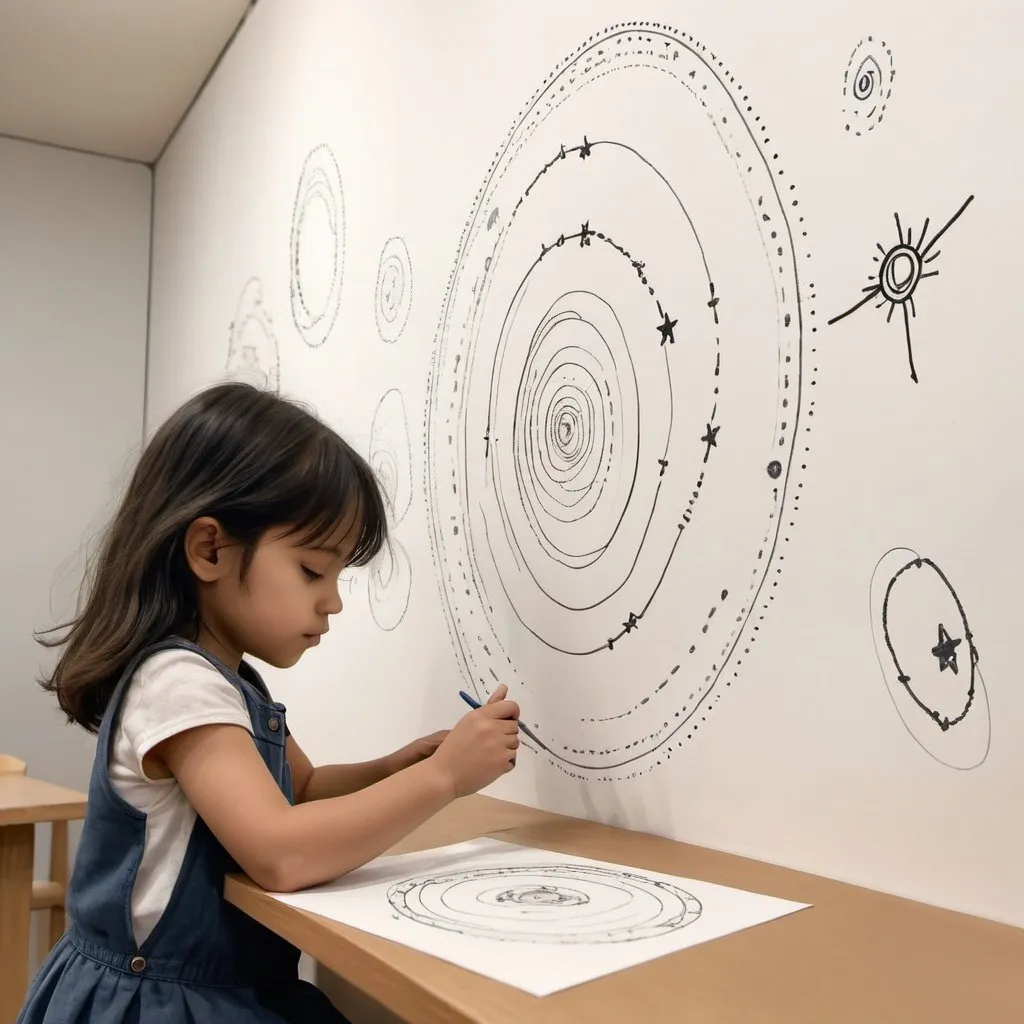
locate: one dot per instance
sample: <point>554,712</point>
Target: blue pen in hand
<point>475,704</point>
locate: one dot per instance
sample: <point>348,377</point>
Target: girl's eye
<point>311,575</point>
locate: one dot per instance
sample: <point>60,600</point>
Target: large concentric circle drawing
<point>615,401</point>
<point>563,904</point>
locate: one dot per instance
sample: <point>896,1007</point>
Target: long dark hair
<point>245,456</point>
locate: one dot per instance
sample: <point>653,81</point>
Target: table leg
<point>17,848</point>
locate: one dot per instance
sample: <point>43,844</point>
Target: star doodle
<point>710,438</point>
<point>945,651</point>
<point>667,328</point>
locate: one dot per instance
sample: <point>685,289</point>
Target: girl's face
<point>285,603</point>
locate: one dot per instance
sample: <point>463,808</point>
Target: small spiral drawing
<point>393,297</point>
<point>867,85</point>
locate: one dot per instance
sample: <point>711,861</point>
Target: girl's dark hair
<point>250,459</point>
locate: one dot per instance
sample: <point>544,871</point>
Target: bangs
<point>334,489</point>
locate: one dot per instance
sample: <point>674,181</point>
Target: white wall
<point>804,759</point>
<point>74,261</point>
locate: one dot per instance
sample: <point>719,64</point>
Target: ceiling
<point>107,76</point>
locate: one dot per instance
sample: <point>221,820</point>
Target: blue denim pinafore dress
<point>205,962</point>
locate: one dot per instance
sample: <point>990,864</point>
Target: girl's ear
<point>204,539</point>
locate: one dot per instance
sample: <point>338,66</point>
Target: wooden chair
<point>48,895</point>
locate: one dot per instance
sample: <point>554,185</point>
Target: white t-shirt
<point>170,692</point>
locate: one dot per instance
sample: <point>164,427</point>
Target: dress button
<point>137,964</point>
<point>274,724</point>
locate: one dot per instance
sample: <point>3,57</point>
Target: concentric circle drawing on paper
<point>317,246</point>
<point>558,903</point>
<point>393,296</point>
<point>617,418</point>
<point>929,660</point>
<point>253,355</point>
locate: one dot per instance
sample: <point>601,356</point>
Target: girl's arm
<point>284,847</point>
<point>327,780</point>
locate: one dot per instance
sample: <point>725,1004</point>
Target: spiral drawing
<point>616,417</point>
<point>867,85</point>
<point>393,297</point>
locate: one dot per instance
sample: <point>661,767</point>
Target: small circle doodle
<point>393,297</point>
<point>929,659</point>
<point>867,85</point>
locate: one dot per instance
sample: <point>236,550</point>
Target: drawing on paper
<point>389,583</point>
<point>552,903</point>
<point>317,247</point>
<point>929,660</point>
<point>252,346</point>
<point>617,421</point>
<point>393,297</point>
<point>901,268</point>
<point>867,85</point>
<point>536,919</point>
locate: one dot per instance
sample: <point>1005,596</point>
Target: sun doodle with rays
<point>902,267</point>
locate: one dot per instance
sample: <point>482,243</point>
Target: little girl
<point>240,516</point>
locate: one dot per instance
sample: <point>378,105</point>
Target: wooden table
<point>24,803</point>
<point>855,956</point>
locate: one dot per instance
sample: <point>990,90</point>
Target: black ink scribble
<point>252,346</point>
<point>556,904</point>
<point>317,247</point>
<point>393,296</point>
<point>578,391</point>
<point>389,584</point>
<point>867,85</point>
<point>901,269</point>
<point>929,659</point>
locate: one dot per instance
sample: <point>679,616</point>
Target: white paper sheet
<point>533,919</point>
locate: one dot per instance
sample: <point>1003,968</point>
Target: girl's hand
<point>418,750</point>
<point>421,749</point>
<point>482,746</point>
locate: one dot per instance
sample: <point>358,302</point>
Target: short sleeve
<point>174,691</point>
